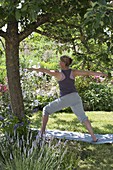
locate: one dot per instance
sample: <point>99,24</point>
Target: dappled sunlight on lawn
<point>102,122</point>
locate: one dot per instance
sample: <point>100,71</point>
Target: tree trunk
<point>12,66</point>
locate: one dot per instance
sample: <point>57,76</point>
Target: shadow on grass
<point>67,125</point>
<point>96,156</point>
<point>36,120</point>
<point>108,128</point>
<point>73,125</point>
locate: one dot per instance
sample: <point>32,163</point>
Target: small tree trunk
<point>12,66</point>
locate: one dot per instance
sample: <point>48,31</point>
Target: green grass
<point>102,122</point>
<point>83,156</point>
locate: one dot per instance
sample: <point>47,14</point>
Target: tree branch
<point>84,40</point>
<point>43,33</point>
<point>32,27</point>
<point>64,40</point>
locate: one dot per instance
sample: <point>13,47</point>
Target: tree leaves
<point>86,24</point>
<point>21,9</point>
<point>18,14</point>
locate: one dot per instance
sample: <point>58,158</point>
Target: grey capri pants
<point>72,100</point>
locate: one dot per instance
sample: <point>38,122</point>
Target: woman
<point>69,96</point>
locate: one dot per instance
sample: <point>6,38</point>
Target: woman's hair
<point>66,59</point>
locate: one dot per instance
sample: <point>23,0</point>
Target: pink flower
<point>99,79</point>
<point>96,77</point>
<point>3,88</point>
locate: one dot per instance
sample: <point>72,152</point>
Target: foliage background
<point>39,89</point>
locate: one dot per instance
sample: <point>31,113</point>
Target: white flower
<point>36,102</point>
<point>34,66</point>
<point>34,144</point>
<point>11,157</point>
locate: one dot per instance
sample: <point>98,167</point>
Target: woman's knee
<point>83,119</point>
<point>46,111</point>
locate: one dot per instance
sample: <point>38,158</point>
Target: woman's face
<point>61,63</point>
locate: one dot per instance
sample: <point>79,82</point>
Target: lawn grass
<point>102,122</point>
<point>83,156</point>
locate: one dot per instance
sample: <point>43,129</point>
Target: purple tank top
<point>67,84</point>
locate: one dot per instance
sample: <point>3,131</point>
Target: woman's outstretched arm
<point>88,73</point>
<point>54,73</point>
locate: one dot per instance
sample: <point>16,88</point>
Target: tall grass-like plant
<point>38,160</point>
<point>32,153</point>
<point>44,159</point>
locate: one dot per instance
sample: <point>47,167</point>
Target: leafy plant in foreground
<point>33,154</point>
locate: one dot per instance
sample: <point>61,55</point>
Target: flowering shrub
<point>98,79</point>
<point>38,90</point>
<point>8,121</point>
<point>2,73</point>
<point>3,88</point>
<point>4,99</point>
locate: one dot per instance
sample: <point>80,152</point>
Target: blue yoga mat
<point>84,137</point>
<point>78,136</point>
